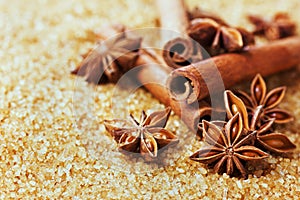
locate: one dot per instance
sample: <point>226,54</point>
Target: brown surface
<point>53,143</point>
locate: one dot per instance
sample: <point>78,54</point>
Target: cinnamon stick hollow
<point>194,82</point>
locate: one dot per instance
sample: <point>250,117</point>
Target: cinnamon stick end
<point>181,88</point>
<point>180,52</point>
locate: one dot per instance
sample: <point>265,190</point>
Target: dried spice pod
<point>248,37</point>
<point>203,30</point>
<point>178,52</point>
<point>232,39</point>
<point>265,137</point>
<point>280,26</point>
<point>216,116</point>
<point>276,143</point>
<point>110,59</point>
<point>228,149</point>
<point>145,137</point>
<point>219,38</point>
<point>235,105</point>
<point>259,23</point>
<point>254,136</point>
<point>273,142</point>
<point>267,100</point>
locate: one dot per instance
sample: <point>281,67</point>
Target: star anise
<point>228,149</point>
<point>110,59</point>
<point>280,26</point>
<point>219,38</point>
<point>265,137</point>
<point>259,101</point>
<point>145,137</point>
<point>273,142</point>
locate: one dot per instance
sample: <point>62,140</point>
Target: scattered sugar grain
<point>52,158</point>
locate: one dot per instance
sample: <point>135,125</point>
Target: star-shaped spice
<point>267,102</point>
<point>273,142</point>
<point>110,59</point>
<point>145,137</point>
<point>219,38</point>
<point>280,26</point>
<point>265,137</point>
<point>228,149</point>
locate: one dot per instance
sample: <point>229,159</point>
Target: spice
<point>240,138</point>
<point>217,38</point>
<point>152,74</point>
<point>196,80</point>
<point>110,59</point>
<point>204,30</point>
<point>265,103</point>
<point>235,105</point>
<point>179,50</point>
<point>274,142</point>
<point>228,149</point>
<point>252,121</point>
<point>145,137</point>
<point>280,26</point>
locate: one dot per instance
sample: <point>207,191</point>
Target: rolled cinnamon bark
<point>194,82</point>
<point>179,50</point>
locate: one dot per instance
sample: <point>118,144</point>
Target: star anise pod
<point>228,149</point>
<point>203,30</point>
<point>110,59</point>
<point>273,142</point>
<point>234,105</point>
<point>145,137</point>
<point>265,137</point>
<point>219,38</point>
<point>266,102</point>
<point>280,26</point>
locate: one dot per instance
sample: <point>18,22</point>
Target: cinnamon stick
<point>194,82</point>
<point>179,50</point>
